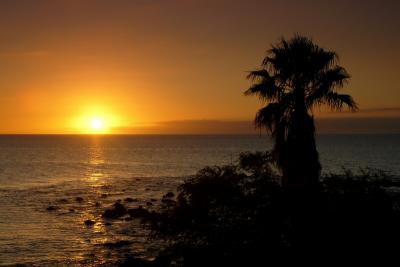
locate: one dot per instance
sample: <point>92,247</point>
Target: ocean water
<point>38,171</point>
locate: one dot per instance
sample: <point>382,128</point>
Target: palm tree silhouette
<point>295,76</point>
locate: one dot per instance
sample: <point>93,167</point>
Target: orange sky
<point>143,63</point>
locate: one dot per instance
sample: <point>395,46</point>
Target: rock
<point>104,195</point>
<point>79,199</point>
<point>149,203</point>
<point>169,195</point>
<point>139,212</point>
<point>128,219</point>
<point>117,244</point>
<point>153,200</point>
<point>63,200</point>
<point>89,222</point>
<point>129,199</point>
<point>109,213</point>
<point>131,261</point>
<point>108,224</point>
<point>97,204</point>
<point>167,201</point>
<point>52,208</point>
<point>71,210</point>
<point>117,211</point>
<point>118,205</point>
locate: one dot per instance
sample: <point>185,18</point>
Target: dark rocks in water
<point>104,195</point>
<point>139,212</point>
<point>117,244</point>
<point>63,200</point>
<point>136,262</point>
<point>153,200</point>
<point>52,208</point>
<point>169,195</point>
<point>108,224</point>
<point>118,210</point>
<point>149,203</point>
<point>89,222</point>
<point>78,199</point>
<point>118,205</point>
<point>129,199</point>
<point>167,201</point>
<point>97,204</point>
<point>157,262</point>
<point>71,210</point>
<point>119,200</point>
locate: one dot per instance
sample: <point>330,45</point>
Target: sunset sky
<point>160,66</point>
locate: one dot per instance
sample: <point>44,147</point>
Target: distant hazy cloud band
<point>325,125</point>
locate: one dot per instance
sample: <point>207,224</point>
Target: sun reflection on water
<point>95,172</point>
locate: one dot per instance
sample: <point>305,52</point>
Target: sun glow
<point>97,124</point>
<point>96,120</point>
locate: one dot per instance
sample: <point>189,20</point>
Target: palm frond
<point>326,82</point>
<point>256,75</point>
<point>269,116</point>
<point>338,101</point>
<point>266,88</point>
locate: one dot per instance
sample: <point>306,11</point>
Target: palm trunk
<point>301,167</point>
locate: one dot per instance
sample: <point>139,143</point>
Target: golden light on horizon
<point>97,124</point>
<point>96,120</point>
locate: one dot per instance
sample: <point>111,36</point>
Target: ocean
<point>38,171</point>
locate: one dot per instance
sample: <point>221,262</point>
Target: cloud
<point>371,125</point>
<point>365,125</point>
<point>368,112</point>
<point>391,109</point>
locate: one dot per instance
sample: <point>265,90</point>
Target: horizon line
<point>327,125</point>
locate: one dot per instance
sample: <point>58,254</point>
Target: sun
<point>97,124</point>
<point>96,120</point>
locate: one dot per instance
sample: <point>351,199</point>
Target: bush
<point>240,215</point>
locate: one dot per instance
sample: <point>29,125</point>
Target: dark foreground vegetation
<point>248,215</point>
<point>240,215</point>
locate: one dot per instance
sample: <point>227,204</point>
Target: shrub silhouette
<point>239,215</point>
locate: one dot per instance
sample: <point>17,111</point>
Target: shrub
<point>240,215</point>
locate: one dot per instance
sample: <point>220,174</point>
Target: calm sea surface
<point>38,171</point>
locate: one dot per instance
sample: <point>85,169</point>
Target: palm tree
<point>296,76</point>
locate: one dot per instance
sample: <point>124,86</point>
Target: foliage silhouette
<point>246,214</point>
<point>295,76</point>
<point>238,215</point>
